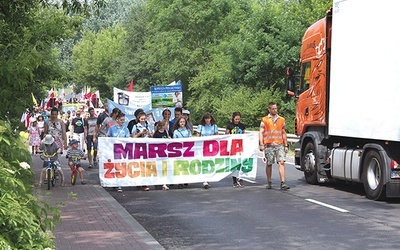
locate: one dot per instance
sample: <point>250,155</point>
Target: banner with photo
<point>133,100</point>
<point>151,161</point>
<point>166,96</point>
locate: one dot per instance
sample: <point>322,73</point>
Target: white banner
<point>133,100</point>
<point>151,161</point>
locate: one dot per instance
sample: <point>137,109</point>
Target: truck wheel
<point>309,164</point>
<point>373,172</point>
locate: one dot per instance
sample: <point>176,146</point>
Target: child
<point>181,131</point>
<point>207,127</point>
<point>236,127</point>
<point>49,147</point>
<point>162,132</point>
<point>34,136</point>
<point>142,130</point>
<point>119,130</point>
<point>181,128</point>
<point>74,155</point>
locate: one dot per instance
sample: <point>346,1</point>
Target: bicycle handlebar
<point>49,156</point>
<point>75,157</point>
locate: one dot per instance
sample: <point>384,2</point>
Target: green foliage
<point>29,31</point>
<point>24,220</point>
<point>28,60</point>
<point>94,59</point>
<point>109,15</point>
<point>217,48</point>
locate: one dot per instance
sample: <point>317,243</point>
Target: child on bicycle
<point>49,147</point>
<point>74,155</point>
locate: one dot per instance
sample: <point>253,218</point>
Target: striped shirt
<point>74,155</point>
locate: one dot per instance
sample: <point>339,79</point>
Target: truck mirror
<point>290,85</point>
<point>289,71</point>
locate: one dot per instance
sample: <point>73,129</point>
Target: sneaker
<point>180,186</point>
<point>62,183</point>
<point>90,165</point>
<point>236,184</point>
<point>206,185</point>
<point>119,189</point>
<point>269,185</point>
<point>83,182</point>
<point>165,187</point>
<point>241,183</point>
<point>284,186</point>
<point>40,184</point>
<point>95,163</point>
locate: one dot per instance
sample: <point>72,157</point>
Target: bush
<point>24,220</point>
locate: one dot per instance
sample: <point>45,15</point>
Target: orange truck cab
<point>347,90</point>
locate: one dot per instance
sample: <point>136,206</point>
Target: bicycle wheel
<point>74,175</point>
<point>53,178</point>
<point>48,176</point>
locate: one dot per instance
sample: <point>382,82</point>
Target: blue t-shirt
<point>181,133</point>
<point>207,130</point>
<point>116,131</point>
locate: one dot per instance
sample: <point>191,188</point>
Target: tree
<point>28,31</point>
<point>212,46</point>
<point>95,59</point>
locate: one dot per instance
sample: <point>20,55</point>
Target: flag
<point>82,97</point>
<point>34,100</point>
<point>88,94</point>
<point>63,94</point>
<point>97,93</point>
<point>130,88</point>
<point>51,93</point>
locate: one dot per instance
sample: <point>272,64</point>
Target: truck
<point>348,98</point>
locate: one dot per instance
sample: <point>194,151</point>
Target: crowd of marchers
<point>77,133</point>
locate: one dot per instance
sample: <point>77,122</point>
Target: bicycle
<point>51,169</point>
<point>74,172</point>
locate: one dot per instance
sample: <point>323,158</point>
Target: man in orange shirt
<point>273,141</point>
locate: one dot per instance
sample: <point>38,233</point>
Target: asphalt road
<point>334,216</point>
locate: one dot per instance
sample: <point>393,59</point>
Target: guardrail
<point>292,138</point>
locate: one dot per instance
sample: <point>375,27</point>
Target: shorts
<point>275,154</point>
<point>56,162</point>
<point>89,143</point>
<point>78,165</point>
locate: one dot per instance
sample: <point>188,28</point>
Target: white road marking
<point>328,206</point>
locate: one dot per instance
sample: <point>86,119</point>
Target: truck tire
<point>373,173</point>
<point>309,163</point>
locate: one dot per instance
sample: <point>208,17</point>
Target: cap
<point>186,112</point>
<point>48,139</point>
<point>73,141</point>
